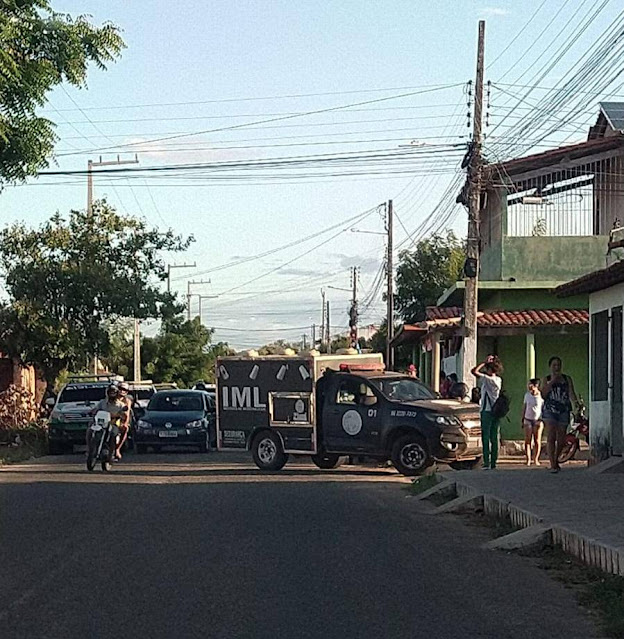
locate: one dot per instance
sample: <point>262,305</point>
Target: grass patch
<point>600,593</point>
<point>424,482</point>
<point>496,526</point>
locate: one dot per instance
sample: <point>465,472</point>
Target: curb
<point>591,552</point>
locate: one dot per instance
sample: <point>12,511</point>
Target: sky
<point>196,66</point>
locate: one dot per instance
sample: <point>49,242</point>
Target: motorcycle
<point>580,428</point>
<point>102,441</point>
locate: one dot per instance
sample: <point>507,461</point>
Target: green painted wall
<point>512,351</point>
<point>552,258</point>
<point>543,258</point>
<point>520,300</point>
<point>574,353</point>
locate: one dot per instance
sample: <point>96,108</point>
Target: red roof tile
<point>555,317</point>
<point>443,312</point>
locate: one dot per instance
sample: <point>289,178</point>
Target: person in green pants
<point>489,372</point>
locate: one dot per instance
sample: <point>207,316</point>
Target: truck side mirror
<point>50,401</point>
<point>369,400</point>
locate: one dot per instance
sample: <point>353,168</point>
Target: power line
<point>280,118</point>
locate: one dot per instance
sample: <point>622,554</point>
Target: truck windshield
<point>85,394</point>
<point>175,402</point>
<point>402,389</point>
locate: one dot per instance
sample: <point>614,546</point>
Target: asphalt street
<point>190,545</point>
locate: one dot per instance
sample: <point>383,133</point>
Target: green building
<point>545,220</point>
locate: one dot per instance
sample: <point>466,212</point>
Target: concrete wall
<point>600,424</point>
<point>523,299</point>
<point>537,259</point>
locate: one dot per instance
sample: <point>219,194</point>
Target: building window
<point>599,356</point>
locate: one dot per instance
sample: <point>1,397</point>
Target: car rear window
<point>175,402</point>
<point>142,393</point>
<point>85,394</point>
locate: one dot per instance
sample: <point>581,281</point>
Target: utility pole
<point>353,313</point>
<point>328,331</point>
<point>170,267</point>
<point>91,164</point>
<point>137,351</point>
<point>189,295</point>
<point>390,289</point>
<point>305,342</point>
<point>313,336</point>
<point>474,179</point>
<point>323,320</point>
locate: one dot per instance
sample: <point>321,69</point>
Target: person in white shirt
<point>491,383</point>
<point>532,421</point>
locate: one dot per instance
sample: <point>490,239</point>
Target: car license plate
<point>168,433</point>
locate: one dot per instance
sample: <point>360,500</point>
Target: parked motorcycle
<point>103,436</point>
<point>580,428</point>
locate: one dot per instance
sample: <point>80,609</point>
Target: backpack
<point>500,408</point>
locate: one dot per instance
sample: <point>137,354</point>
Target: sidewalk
<point>585,510</point>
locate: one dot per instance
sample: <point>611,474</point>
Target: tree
<point>40,49</point>
<point>181,352</point>
<point>69,278</point>
<point>426,272</point>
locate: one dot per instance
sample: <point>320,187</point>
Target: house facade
<point>546,219</point>
<point>605,288</point>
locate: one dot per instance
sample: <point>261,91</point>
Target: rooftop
<point>455,294</point>
<point>595,281</point>
<point>496,319</point>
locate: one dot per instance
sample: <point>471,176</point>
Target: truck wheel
<point>465,464</point>
<point>410,456</point>
<point>267,451</point>
<point>327,461</point>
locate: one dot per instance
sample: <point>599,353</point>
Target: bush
<point>20,418</point>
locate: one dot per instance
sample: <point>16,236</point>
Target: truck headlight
<point>442,420</point>
<point>143,425</point>
<point>57,416</point>
<point>195,424</point>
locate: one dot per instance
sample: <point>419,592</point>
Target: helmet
<point>123,387</point>
<point>112,390</point>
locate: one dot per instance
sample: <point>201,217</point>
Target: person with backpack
<point>558,393</point>
<point>488,372</point>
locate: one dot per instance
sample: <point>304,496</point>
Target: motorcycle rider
<point>113,405</point>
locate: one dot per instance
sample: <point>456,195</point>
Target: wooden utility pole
<point>313,336</point>
<point>323,320</point>
<point>471,269</point>
<point>353,313</point>
<point>328,330</point>
<point>390,289</point>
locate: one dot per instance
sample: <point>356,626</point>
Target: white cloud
<point>495,11</point>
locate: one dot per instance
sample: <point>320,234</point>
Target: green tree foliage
<point>426,272</point>
<point>180,352</point>
<point>40,49</point>
<point>72,276</point>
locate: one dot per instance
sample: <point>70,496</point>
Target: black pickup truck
<point>278,407</point>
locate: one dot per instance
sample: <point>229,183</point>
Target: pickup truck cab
<point>331,406</point>
<point>393,416</point>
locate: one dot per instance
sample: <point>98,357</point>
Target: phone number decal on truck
<point>234,438</point>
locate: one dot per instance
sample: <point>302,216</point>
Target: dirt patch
<point>600,593</point>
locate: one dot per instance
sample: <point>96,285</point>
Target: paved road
<point>207,546</point>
